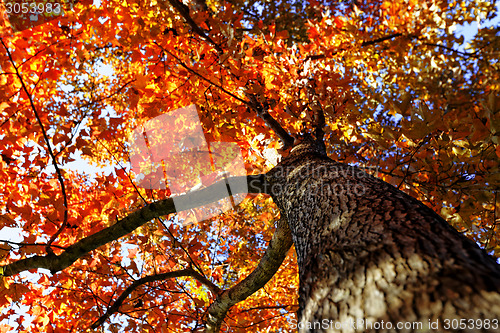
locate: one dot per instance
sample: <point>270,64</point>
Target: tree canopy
<point>404,98</point>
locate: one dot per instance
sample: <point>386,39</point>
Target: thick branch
<point>278,129</point>
<point>55,263</point>
<point>318,116</point>
<point>381,39</point>
<point>184,11</point>
<point>152,278</point>
<point>365,43</point>
<point>272,123</point>
<point>268,266</point>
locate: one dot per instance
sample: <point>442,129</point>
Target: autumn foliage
<point>404,98</point>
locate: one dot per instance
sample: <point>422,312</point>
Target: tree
<point>368,100</point>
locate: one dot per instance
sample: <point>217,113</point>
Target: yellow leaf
<point>141,81</point>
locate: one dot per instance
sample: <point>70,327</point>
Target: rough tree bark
<point>371,257</point>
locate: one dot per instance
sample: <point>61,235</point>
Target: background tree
<point>401,97</point>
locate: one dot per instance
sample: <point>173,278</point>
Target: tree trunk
<point>373,259</point>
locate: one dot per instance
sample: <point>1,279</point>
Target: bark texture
<point>373,259</point>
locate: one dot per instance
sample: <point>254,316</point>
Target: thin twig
<point>261,111</point>
<point>365,43</point>
<point>192,71</point>
<point>49,149</point>
<point>460,53</point>
<point>269,264</point>
<point>253,104</point>
<point>31,244</point>
<point>125,171</point>
<point>192,262</point>
<point>152,278</point>
<point>495,222</point>
<point>410,160</point>
<point>108,96</point>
